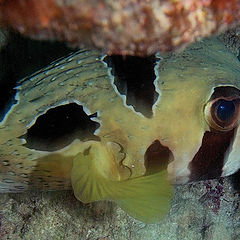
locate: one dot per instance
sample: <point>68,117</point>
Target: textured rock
<point>121,27</point>
<point>58,215</point>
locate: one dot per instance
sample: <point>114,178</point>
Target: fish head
<point>198,112</point>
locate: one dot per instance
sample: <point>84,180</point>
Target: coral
<point>214,194</point>
<point>120,27</point>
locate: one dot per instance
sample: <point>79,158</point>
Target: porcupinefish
<point>124,155</point>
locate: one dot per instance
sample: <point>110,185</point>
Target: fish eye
<point>223,113</point>
<point>225,110</point>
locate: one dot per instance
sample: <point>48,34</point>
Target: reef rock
<point>120,27</point>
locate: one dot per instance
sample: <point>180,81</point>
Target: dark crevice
<point>134,77</point>
<point>7,102</point>
<point>209,160</point>
<point>59,126</point>
<point>225,92</point>
<point>235,180</point>
<point>20,57</point>
<point>238,56</point>
<point>157,157</point>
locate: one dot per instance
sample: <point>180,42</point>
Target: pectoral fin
<point>146,198</point>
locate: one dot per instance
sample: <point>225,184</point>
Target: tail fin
<point>145,198</point>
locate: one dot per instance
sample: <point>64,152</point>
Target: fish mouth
<point>157,157</point>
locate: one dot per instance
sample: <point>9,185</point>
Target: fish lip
<point>181,176</point>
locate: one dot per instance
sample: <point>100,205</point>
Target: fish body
<point>189,136</point>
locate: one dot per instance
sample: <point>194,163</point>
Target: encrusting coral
<point>120,27</point>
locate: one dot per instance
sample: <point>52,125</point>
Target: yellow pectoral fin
<point>146,198</point>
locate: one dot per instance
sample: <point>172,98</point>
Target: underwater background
<point>202,210</point>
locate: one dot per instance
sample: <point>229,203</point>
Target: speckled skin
<point>184,83</point>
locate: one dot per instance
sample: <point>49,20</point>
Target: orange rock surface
<point>130,27</point>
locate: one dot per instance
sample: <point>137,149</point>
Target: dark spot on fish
<point>11,173</point>
<point>19,165</point>
<point>20,187</point>
<point>40,179</point>
<point>7,180</point>
<point>86,151</point>
<point>235,180</point>
<point>157,157</point>
<point>23,175</point>
<point>59,181</point>
<point>134,77</point>
<point>209,160</point>
<point>5,163</point>
<point>196,48</point>
<point>36,99</point>
<point>59,126</point>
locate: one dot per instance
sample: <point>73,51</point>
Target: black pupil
<point>225,110</point>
